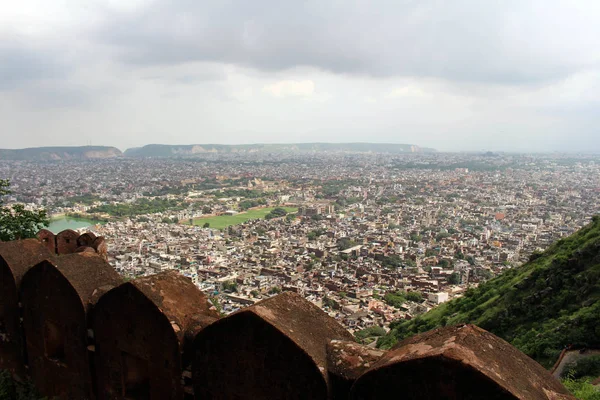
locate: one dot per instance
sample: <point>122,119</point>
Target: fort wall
<point>71,324</point>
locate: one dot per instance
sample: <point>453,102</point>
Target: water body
<point>61,223</point>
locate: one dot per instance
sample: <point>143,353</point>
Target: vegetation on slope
<point>550,302</point>
<point>15,221</point>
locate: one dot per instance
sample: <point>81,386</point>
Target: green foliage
<point>246,193</point>
<point>276,213</point>
<point>454,278</point>
<point>585,367</point>
<point>15,221</point>
<point>224,221</point>
<point>540,307</point>
<point>441,236</point>
<point>206,225</point>
<point>217,305</point>
<point>395,299</point>
<point>230,286</point>
<point>87,199</point>
<point>416,238</point>
<point>371,331</point>
<point>392,261</point>
<point>246,204</point>
<point>582,388</point>
<point>327,302</point>
<point>345,243</point>
<point>414,296</point>
<point>275,290</point>
<point>139,207</point>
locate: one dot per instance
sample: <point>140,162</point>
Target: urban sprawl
<point>369,238</point>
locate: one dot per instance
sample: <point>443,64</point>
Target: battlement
<point>72,325</point>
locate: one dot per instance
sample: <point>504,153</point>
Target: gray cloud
<point>449,74</point>
<point>21,65</point>
<point>504,42</point>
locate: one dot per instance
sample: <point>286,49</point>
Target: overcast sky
<point>516,75</point>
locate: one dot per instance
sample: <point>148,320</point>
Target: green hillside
<point>548,303</point>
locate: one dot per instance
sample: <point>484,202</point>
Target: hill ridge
<point>548,303</point>
<point>167,150</point>
<point>60,153</point>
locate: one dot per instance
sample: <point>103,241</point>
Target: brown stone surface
<point>86,239</point>
<point>100,246</point>
<point>48,239</point>
<point>16,258</point>
<point>176,296</point>
<point>21,255</point>
<point>139,330</point>
<point>56,300</point>
<point>86,272</point>
<point>275,349</point>
<point>66,242</point>
<point>459,362</point>
<point>346,361</point>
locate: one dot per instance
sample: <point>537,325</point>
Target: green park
<point>224,221</point>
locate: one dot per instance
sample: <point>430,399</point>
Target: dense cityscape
<point>369,238</point>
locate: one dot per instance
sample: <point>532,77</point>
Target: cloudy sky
<point>516,75</point>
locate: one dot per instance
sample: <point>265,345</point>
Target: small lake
<point>61,223</point>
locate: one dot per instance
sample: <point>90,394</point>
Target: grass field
<point>223,221</point>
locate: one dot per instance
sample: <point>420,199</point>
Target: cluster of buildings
<point>376,237</point>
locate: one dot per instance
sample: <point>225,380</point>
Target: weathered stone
<point>57,297</point>
<point>346,361</point>
<point>48,239</point>
<point>16,258</point>
<point>100,246</point>
<point>459,362</point>
<point>66,242</point>
<point>275,349</point>
<point>86,239</point>
<point>139,330</point>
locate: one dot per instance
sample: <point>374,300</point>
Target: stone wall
<point>70,324</point>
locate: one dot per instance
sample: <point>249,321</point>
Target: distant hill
<point>548,303</point>
<point>60,153</point>
<point>163,150</point>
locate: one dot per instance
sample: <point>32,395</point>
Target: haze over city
<point>460,75</point>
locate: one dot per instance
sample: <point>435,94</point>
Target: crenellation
<point>86,334</point>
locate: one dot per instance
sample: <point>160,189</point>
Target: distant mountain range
<point>165,150</point>
<point>60,153</point>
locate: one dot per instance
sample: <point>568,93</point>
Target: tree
<point>454,279</point>
<point>276,213</point>
<point>15,221</point>
<point>206,225</point>
<point>414,296</point>
<point>370,332</point>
